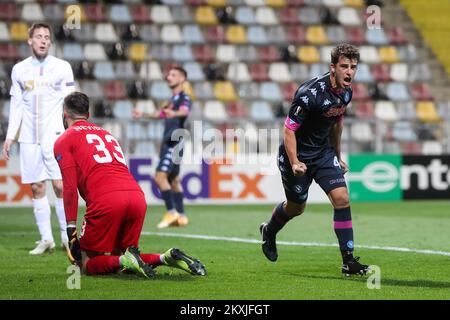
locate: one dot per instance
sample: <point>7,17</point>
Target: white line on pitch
<point>288,243</point>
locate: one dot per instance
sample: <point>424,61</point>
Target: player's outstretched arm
<point>290,143</point>
<point>335,140</point>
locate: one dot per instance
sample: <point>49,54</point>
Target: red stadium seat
<point>115,90</point>
<point>421,91</point>
<point>215,34</point>
<point>356,35</point>
<point>288,15</point>
<point>381,72</point>
<point>9,51</point>
<point>294,3</point>
<point>269,53</point>
<point>8,12</point>
<point>95,12</point>
<point>364,110</point>
<point>259,72</point>
<point>360,91</point>
<point>140,13</point>
<point>288,90</point>
<point>237,110</point>
<point>203,53</point>
<point>196,2</point>
<point>296,34</point>
<point>397,36</point>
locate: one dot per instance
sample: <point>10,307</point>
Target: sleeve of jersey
<point>68,82</point>
<point>186,105</point>
<point>297,113</point>
<point>69,176</point>
<point>15,107</point>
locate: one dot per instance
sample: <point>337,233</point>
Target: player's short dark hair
<point>345,50</point>
<point>76,104</point>
<point>37,26</point>
<point>181,70</point>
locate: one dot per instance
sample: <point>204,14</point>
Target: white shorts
<point>37,163</point>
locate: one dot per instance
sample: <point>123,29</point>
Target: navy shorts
<point>325,170</point>
<point>169,160</point>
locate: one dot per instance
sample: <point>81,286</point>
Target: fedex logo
<point>213,181</point>
<point>13,189</point>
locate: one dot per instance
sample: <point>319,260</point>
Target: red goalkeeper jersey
<point>92,162</point>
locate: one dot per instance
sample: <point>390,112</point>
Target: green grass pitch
<point>238,270</point>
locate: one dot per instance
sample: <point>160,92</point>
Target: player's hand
<point>343,165</point>
<point>6,147</point>
<point>169,113</point>
<point>74,250</point>
<point>299,169</point>
<point>137,113</point>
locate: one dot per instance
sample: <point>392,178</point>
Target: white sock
<point>60,213</point>
<point>41,210</point>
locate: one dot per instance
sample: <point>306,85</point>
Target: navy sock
<point>344,232</point>
<point>278,220</point>
<point>168,199</point>
<point>178,199</point>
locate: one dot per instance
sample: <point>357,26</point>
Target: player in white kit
<point>39,85</point>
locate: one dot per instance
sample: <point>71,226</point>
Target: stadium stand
<point>245,59</point>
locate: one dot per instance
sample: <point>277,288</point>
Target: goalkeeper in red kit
<point>92,162</point>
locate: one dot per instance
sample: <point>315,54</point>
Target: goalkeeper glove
<point>74,250</point>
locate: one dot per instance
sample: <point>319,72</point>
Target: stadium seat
<point>160,52</point>
<point>86,33</point>
<point>52,12</point>
<point>296,34</point>
<point>257,35</point>
<point>135,130</point>
<point>236,34</point>
<point>171,33</point>
<point>388,54</point>
<point>364,110</point>
<point>150,33</point>
<point>355,35</point>
<point>203,53</point>
<point>399,72</point>
<point>408,53</point>
<point>145,148</point>
<point>226,53</point>
<point>124,70</point>
<point>381,72</point>
<point>360,91</point>
<point>94,51</point>
<point>276,35</point>
<point>204,15</point>
<point>150,71</point>
<point>376,37</point>
<point>215,34</point>
<point>115,90</point>
<point>182,14</point>
<point>259,72</point>
<point>427,112</point>
<point>136,89</point>
<point>4,32</point>
<point>288,90</point>
<point>237,109</point>
<point>309,15</point>
<point>369,54</point>
<point>247,53</point>
<point>113,127</point>
<point>336,34</point>
<point>444,110</point>
<point>148,106</point>
<point>123,109</point>
<point>255,3</point>
<point>406,110</point>
<point>279,72</point>
<point>432,148</point>
<point>403,131</point>
<point>270,91</point>
<point>261,111</point>
<point>104,32</point>
<point>316,35</point>
<point>138,52</point>
<point>288,15</point>
<point>161,15</point>
<point>160,90</point>
<point>363,74</point>
<point>92,89</point>
<point>140,13</point>
<point>18,31</point>
<point>249,90</point>
<point>354,3</point>
<point>299,71</point>
<point>268,53</point>
<point>73,51</point>
<point>192,34</point>
<point>245,15</point>
<point>419,72</point>
<point>194,71</point>
<point>238,72</point>
<point>421,91</point>
<point>95,12</point>
<point>8,12</point>
<point>265,16</point>
<point>224,91</point>
<point>385,110</point>
<point>362,132</point>
<point>397,36</point>
<point>318,69</point>
<point>32,12</point>
<point>348,16</point>
<point>308,54</point>
<point>182,52</point>
<point>215,111</point>
<point>325,54</point>
<point>397,91</point>
<point>103,70</point>
<point>119,13</point>
<point>203,90</point>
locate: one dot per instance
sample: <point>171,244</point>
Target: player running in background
<point>168,169</point>
<point>92,162</point>
<point>39,85</point>
<point>312,150</point>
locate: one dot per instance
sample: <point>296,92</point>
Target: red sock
<point>152,259</point>
<point>103,265</point>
